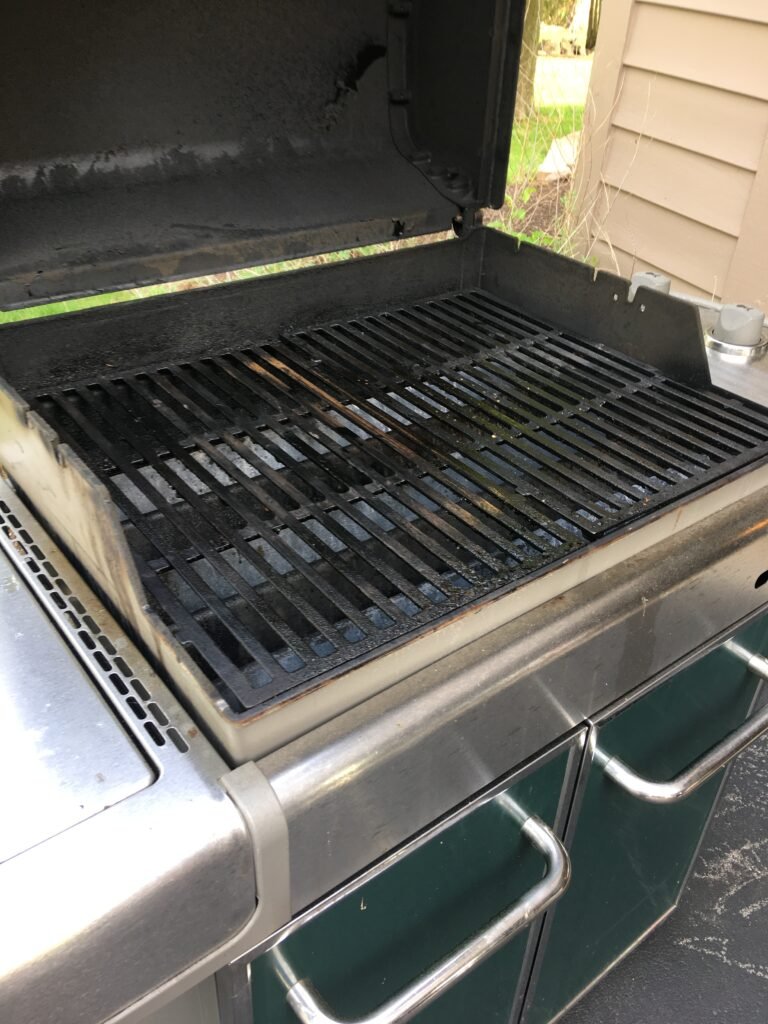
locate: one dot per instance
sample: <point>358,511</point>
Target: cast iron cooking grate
<point>298,506</point>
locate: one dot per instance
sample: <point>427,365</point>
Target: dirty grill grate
<point>299,505</point>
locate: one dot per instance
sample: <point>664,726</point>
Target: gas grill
<point>327,502</point>
<point>309,502</point>
<point>395,560</point>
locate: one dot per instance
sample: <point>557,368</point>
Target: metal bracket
<point>257,802</point>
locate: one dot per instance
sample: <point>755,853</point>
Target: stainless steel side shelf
<point>63,754</point>
<point>156,869</point>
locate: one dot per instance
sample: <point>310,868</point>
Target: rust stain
<point>757,527</point>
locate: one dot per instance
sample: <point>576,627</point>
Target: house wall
<point>673,174</point>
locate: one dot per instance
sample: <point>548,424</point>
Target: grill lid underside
<point>174,140</point>
<point>298,507</point>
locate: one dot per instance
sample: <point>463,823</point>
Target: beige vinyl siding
<point>748,277</point>
<point>709,49</point>
<point>725,125</point>
<point>674,169</point>
<point>679,180</point>
<point>676,244</point>
<point>749,10</point>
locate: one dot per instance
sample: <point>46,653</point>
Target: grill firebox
<point>298,506</point>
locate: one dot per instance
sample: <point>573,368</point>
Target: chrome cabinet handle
<point>686,782</point>
<point>309,1008</point>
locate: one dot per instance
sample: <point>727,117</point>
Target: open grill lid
<point>143,142</point>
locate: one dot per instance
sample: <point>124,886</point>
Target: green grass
<point>525,213</point>
<point>147,291</point>
<point>73,305</point>
<point>532,138</point>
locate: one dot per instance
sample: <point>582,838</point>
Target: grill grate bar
<point>665,418</point>
<point>628,446</point>
<point>624,462</point>
<point>330,425</point>
<point>187,391</point>
<point>631,416</point>
<point>487,505</point>
<point>567,362</point>
<point>530,405</point>
<point>685,460</point>
<point>468,413</point>
<point>301,601</point>
<point>516,366</point>
<point>495,375</point>
<point>723,437</point>
<point>247,638</point>
<point>609,366</point>
<point>454,431</point>
<point>299,506</point>
<point>306,446</point>
<point>753,419</point>
<point>211,551</point>
<point>393,430</point>
<point>312,481</point>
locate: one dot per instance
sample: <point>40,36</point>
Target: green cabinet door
<point>630,858</point>
<point>376,941</point>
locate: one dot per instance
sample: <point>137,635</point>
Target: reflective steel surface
<point>744,373</point>
<point>308,1005</point>
<point>113,907</point>
<point>702,770</point>
<point>63,755</point>
<point>404,757</point>
<point>390,473</point>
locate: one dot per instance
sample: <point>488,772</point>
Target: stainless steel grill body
<point>299,505</point>
<point>390,526</point>
<point>298,491</point>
